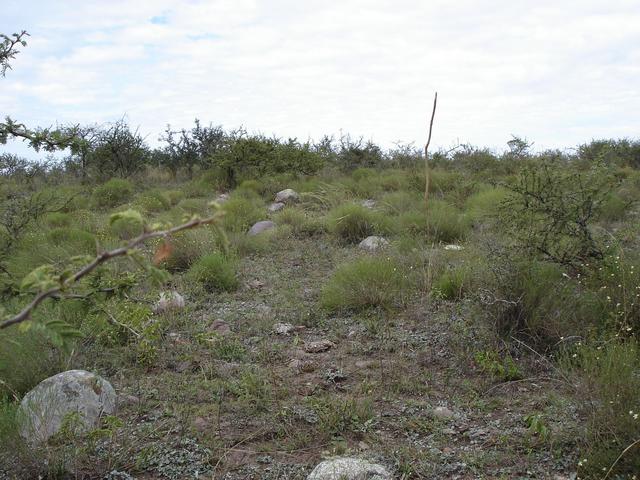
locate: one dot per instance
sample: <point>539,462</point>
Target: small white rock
<point>261,226</point>
<point>442,413</point>
<point>287,196</point>
<point>275,207</point>
<point>453,247</point>
<point>373,243</point>
<point>283,328</point>
<point>371,204</point>
<point>172,301</point>
<point>347,468</point>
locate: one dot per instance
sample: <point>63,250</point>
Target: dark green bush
<point>215,272</point>
<point>352,222</point>
<point>365,283</point>
<point>242,212</point>
<point>112,193</point>
<point>73,240</point>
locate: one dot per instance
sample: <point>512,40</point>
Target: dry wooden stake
<point>426,152</point>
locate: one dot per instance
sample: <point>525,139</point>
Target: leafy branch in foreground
<point>50,285</point>
<point>48,139</point>
<point>8,50</point>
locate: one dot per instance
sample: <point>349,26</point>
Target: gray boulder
<point>373,243</point>
<point>262,226</point>
<point>346,468</point>
<point>44,409</point>
<point>287,196</point>
<point>275,207</point>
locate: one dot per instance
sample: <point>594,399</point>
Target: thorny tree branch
<point>102,258</point>
<point>8,49</point>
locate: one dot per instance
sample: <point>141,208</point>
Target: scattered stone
<point>45,407</point>
<point>305,413</point>
<point>255,284</point>
<point>366,363</point>
<point>183,366</point>
<point>346,468</point>
<point>319,346</point>
<point>369,203</point>
<point>453,247</point>
<point>176,338</point>
<point>373,243</point>
<point>265,459</point>
<point>261,227</point>
<point>264,312</point>
<point>443,413</point>
<point>283,328</point>
<point>220,326</point>
<point>335,375</point>
<point>287,196</point>
<point>171,301</point>
<point>117,475</point>
<point>303,366</point>
<point>223,197</point>
<point>201,424</point>
<point>227,369</point>
<point>128,400</point>
<point>275,207</point>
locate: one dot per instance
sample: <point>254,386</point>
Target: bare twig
<point>426,151</point>
<point>102,258</point>
<point>637,442</point>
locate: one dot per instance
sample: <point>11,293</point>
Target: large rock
<point>373,243</point>
<point>44,409</point>
<point>346,468</point>
<point>287,196</point>
<point>262,226</point>
<point>169,301</point>
<point>275,207</point>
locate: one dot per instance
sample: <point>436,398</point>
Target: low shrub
<point>215,272</point>
<point>452,283</point>
<point>399,202</point>
<point>174,196</point>
<point>613,208</point>
<point>26,358</point>
<point>57,220</point>
<point>485,204</point>
<point>441,222</point>
<point>73,240</point>
<point>153,200</point>
<point>608,383</point>
<point>365,283</point>
<point>188,247</point>
<point>112,193</point>
<point>352,222</point>
<point>301,224</point>
<point>194,206</point>
<point>241,213</point>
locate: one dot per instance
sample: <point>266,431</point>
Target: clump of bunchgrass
<point>112,193</point>
<point>215,272</point>
<point>366,283</point>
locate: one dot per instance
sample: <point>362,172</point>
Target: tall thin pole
<point>426,152</point>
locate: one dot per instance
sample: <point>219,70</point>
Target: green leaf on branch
<point>42,278</point>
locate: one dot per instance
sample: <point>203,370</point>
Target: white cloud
<point>558,73</point>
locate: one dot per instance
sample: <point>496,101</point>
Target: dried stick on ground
<point>426,152</point>
<point>100,259</point>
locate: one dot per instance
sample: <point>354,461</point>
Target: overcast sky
<point>557,72</point>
